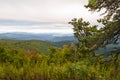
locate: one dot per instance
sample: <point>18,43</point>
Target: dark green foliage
<point>110,31</point>
<point>112,7</point>
<point>85,33</point>
<point>111,20</point>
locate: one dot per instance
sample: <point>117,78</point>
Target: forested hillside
<point>35,45</point>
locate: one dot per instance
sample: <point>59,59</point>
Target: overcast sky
<point>41,16</point>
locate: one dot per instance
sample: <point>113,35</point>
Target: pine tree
<point>111,30</point>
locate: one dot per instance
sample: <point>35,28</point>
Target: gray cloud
<point>44,10</point>
<point>56,12</point>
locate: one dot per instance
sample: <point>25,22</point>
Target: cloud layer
<point>56,12</point>
<point>39,28</point>
<point>44,10</point>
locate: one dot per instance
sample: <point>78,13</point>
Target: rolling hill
<point>37,45</point>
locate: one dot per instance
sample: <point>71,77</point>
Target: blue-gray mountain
<point>45,37</point>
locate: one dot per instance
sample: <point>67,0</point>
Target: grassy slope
<point>40,46</point>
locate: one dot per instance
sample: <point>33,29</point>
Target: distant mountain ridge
<point>37,42</point>
<point>53,37</point>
